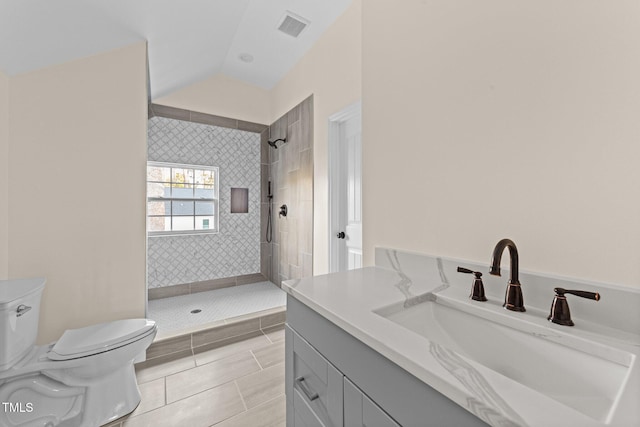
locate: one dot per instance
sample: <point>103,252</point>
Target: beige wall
<point>4,176</point>
<point>493,119</point>
<point>223,96</point>
<point>77,187</point>
<point>332,72</point>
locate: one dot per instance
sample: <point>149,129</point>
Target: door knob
<point>341,235</point>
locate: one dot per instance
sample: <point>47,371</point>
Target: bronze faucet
<point>560,313</point>
<point>513,299</point>
<point>477,289</point>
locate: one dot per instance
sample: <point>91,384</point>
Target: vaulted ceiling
<point>188,40</point>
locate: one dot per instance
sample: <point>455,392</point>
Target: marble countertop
<point>352,299</point>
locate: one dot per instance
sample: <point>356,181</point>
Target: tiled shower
<point>235,249</point>
<point>206,278</point>
<point>290,170</point>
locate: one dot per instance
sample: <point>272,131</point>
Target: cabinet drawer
<point>317,392</point>
<point>305,416</point>
<point>360,411</point>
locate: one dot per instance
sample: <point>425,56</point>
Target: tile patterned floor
<point>239,384</point>
<point>174,314</point>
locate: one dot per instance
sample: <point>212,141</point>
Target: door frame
<point>335,169</point>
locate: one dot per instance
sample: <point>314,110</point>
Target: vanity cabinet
<point>334,380</point>
<point>314,385</point>
<point>322,396</point>
<point>360,411</point>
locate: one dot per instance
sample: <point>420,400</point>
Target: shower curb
<point>222,332</point>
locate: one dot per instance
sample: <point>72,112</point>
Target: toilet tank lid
<point>11,290</point>
<point>100,337</point>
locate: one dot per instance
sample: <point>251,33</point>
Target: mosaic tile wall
<point>235,249</point>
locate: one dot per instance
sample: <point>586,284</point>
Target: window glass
<point>181,198</point>
<point>182,191</point>
<point>158,174</point>
<point>181,208</point>
<point>182,223</point>
<point>204,192</point>
<point>205,177</point>
<point>204,208</point>
<point>159,208</point>
<point>160,223</point>
<point>204,222</point>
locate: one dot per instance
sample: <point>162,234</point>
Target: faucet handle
<point>560,313</point>
<point>477,289</point>
<point>583,294</point>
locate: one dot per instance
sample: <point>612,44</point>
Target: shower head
<point>273,143</point>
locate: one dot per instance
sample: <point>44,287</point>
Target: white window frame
<point>215,200</point>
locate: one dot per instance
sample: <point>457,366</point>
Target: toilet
<point>85,379</point>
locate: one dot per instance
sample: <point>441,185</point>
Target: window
<point>181,199</point>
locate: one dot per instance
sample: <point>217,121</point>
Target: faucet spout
<point>497,258</point>
<point>513,299</point>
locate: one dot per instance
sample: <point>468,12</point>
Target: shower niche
<point>239,200</point>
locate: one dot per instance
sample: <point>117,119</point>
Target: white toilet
<point>85,379</point>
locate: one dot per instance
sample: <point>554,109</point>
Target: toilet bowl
<point>85,379</point>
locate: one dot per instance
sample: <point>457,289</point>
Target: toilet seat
<point>91,340</point>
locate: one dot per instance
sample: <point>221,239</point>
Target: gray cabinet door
<point>314,386</point>
<point>360,411</point>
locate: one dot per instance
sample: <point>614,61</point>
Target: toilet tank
<point>19,313</point>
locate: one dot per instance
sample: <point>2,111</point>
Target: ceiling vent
<point>292,24</point>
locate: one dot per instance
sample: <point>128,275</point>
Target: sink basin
<point>586,376</point>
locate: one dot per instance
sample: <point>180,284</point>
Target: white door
<point>345,174</point>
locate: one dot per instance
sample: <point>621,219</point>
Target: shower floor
<point>179,314</point>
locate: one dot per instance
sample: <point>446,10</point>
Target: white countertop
<point>350,300</point>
